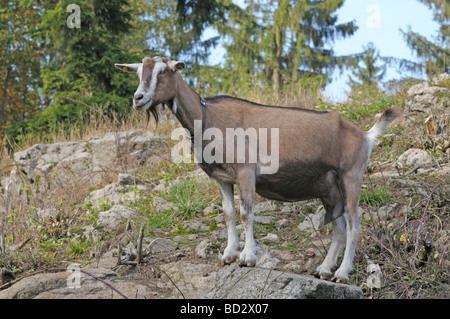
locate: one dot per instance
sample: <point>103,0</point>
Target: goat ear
<point>132,67</point>
<point>176,65</point>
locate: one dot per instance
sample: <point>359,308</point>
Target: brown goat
<point>320,155</point>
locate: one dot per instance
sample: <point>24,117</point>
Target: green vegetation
<point>55,78</point>
<point>189,196</point>
<point>376,196</point>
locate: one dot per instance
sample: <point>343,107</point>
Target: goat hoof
<point>228,260</point>
<point>247,264</point>
<point>339,280</point>
<point>325,276</point>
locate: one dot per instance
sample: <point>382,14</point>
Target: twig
<point>153,265</point>
<point>139,244</point>
<point>374,236</point>
<point>101,280</point>
<point>265,283</point>
<point>423,216</point>
<point>415,169</point>
<point>119,254</point>
<point>130,233</point>
<point>262,291</point>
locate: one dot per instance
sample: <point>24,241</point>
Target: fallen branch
<point>415,169</point>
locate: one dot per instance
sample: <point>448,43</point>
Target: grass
<point>189,196</point>
<point>376,197</point>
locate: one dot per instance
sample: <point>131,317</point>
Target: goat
<point>321,155</point>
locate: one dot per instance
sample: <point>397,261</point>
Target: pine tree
<point>77,63</point>
<point>366,67</point>
<point>435,54</point>
<point>285,42</point>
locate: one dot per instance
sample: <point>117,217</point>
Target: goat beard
<point>153,110</point>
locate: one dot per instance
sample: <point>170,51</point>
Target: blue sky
<point>379,22</point>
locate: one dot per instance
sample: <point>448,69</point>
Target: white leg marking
<point>353,231</point>
<point>231,251</point>
<point>337,244</point>
<point>248,254</point>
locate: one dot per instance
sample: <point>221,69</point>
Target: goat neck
<point>189,107</point>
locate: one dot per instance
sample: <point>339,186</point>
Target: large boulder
<point>76,285</point>
<point>255,283</point>
<point>45,168</point>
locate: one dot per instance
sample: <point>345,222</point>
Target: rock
<point>282,223</point>
<point>61,286</point>
<point>426,96</point>
<point>271,238</point>
<point>195,225</point>
<point>266,257</point>
<point>212,209</point>
<point>263,219</point>
<point>413,157</point>
<point>32,286</point>
<point>404,183</point>
<point>264,207</point>
<point>385,174</point>
<point>286,209</point>
<point>161,245</point>
<point>93,289</point>
<point>192,279</point>
<point>127,179</point>
<point>220,219</point>
<point>383,213</point>
<point>160,204</point>
<point>205,249</point>
<point>441,78</point>
<point>111,218</point>
<point>311,222</point>
<point>255,283</point>
<point>96,160</point>
<point>113,194</point>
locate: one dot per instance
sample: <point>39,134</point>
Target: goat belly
<point>296,182</point>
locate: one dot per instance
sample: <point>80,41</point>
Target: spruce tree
<point>434,54</point>
<point>366,67</point>
<point>284,43</point>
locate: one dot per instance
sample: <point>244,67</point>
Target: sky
<point>379,22</point>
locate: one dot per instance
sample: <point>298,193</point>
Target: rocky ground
<point>67,206</point>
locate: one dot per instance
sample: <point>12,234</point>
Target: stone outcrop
<point>255,283</point>
<point>429,95</point>
<point>45,167</point>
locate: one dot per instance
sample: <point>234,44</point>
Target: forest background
<point>57,57</point>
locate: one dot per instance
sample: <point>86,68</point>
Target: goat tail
<point>388,116</point>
